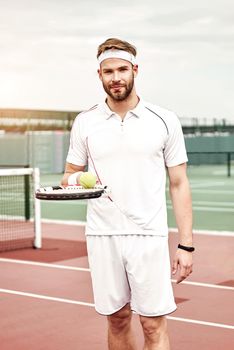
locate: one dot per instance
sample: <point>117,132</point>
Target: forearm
<point>182,206</point>
<point>65,177</point>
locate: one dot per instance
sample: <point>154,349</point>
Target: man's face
<point>117,76</point>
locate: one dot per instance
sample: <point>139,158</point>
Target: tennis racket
<point>70,192</point>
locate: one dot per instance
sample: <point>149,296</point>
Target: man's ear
<point>99,73</point>
<point>135,70</point>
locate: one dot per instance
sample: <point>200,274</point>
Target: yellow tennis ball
<point>87,180</point>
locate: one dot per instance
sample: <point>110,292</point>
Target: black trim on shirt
<point>159,117</point>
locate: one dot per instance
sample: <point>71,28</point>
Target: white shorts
<point>131,269</point>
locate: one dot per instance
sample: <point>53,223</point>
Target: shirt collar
<point>108,112</point>
<point>137,111</point>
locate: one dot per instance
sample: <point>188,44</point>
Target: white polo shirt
<point>130,157</point>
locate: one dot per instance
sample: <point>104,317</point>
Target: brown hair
<point>114,43</point>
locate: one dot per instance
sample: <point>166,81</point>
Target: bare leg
<point>155,333</point>
<point>119,330</point>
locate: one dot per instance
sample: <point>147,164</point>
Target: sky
<point>185,53</point>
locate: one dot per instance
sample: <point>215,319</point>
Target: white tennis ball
<point>87,180</point>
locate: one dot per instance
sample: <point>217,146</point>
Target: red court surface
<point>46,300</point>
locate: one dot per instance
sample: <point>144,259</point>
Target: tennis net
<point>19,210</point>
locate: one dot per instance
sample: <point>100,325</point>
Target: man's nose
<point>115,76</point>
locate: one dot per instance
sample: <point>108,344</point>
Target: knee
<point>120,320</point>
<point>154,327</point>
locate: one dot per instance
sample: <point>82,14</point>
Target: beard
<point>119,91</point>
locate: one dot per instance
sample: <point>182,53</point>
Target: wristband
<point>73,179</point>
<point>188,249</point>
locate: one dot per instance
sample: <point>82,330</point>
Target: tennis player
<point>130,145</point>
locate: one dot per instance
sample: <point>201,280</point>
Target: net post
<point>228,164</point>
<point>26,197</point>
<point>37,209</point>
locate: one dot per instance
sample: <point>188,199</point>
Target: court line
<point>207,232</point>
<point>206,285</point>
<point>171,229</point>
<point>204,191</point>
<point>198,185</point>
<point>219,209</point>
<point>54,266</point>
<point>81,303</point>
<point>206,184</point>
<point>200,208</point>
<point>203,323</point>
<point>64,222</point>
<point>45,297</point>
<point>83,269</point>
<point>215,204</point>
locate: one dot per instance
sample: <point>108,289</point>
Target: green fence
<point>212,158</point>
<point>48,150</point>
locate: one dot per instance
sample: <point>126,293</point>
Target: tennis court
<point>46,297</point>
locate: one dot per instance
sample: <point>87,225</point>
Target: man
<point>129,145</point>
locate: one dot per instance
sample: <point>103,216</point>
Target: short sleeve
<point>175,151</point>
<point>77,153</point>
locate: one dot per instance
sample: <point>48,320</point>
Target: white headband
<point>113,53</point>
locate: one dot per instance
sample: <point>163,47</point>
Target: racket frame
<point>70,192</point>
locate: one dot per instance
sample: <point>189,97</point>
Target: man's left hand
<point>182,263</point>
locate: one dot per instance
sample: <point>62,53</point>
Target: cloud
<point>186,46</point>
